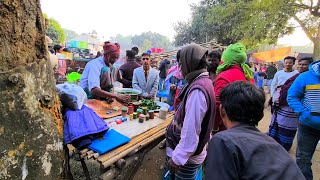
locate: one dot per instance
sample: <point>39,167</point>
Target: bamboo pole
<point>96,155</point>
<point>89,152</point>
<point>83,155</point>
<point>84,151</point>
<point>139,145</point>
<point>90,156</point>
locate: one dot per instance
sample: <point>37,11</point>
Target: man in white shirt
<point>281,77</point>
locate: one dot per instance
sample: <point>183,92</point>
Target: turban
<point>111,48</point>
<point>235,54</point>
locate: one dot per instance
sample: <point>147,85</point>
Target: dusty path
<point>151,165</point>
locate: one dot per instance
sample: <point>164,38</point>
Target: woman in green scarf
<point>232,69</point>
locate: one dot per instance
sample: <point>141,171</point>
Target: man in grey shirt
<point>242,151</point>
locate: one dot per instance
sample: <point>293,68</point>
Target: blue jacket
<point>304,96</point>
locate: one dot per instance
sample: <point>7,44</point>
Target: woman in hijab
<point>190,129</point>
<point>173,81</point>
<point>232,69</point>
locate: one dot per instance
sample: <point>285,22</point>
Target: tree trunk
<point>31,127</point>
<point>316,45</point>
<point>316,49</point>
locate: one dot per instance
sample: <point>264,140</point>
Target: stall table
<point>123,161</point>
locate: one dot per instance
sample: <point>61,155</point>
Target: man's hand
<point>173,87</point>
<point>123,98</point>
<point>150,96</point>
<point>172,166</point>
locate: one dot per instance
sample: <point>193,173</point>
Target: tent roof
<point>209,45</point>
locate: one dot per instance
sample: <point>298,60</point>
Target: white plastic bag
<point>71,96</point>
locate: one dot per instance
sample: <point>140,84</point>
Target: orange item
<point>273,55</point>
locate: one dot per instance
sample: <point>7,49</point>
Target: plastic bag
<point>71,96</point>
<point>73,77</point>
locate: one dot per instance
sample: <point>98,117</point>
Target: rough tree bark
<point>30,118</point>
<point>316,45</point>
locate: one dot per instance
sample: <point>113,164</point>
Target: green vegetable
<point>149,103</point>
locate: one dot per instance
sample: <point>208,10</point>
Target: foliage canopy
<point>252,22</point>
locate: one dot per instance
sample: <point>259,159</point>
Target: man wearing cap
<point>99,75</point>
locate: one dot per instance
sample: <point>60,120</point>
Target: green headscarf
<point>235,54</point>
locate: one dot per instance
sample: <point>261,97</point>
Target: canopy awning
<point>273,55</point>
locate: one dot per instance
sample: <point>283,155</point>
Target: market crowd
<point>219,100</point>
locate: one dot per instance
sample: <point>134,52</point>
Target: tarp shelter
<point>85,41</point>
<point>273,55</point>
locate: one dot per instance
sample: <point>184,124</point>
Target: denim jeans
<point>308,139</point>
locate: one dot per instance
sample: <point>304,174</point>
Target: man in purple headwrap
<point>99,75</point>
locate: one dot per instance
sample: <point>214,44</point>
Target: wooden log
<point>109,175</point>
<point>135,140</point>
<point>83,151</point>
<point>139,145</point>
<point>83,155</point>
<point>96,155</point>
<point>133,152</point>
<point>120,163</point>
<point>89,152</point>
<point>90,156</point>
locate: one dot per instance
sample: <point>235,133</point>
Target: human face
<point>112,58</point>
<point>303,66</point>
<point>288,64</point>
<point>146,61</point>
<point>213,60</point>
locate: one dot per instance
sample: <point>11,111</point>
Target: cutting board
<point>102,107</point>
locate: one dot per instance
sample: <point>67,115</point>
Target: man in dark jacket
<point>126,70</point>
<point>242,151</point>
<point>271,71</point>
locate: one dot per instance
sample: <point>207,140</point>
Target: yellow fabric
<point>273,55</point>
<point>67,55</point>
<point>313,87</point>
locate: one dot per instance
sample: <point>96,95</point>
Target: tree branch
<point>304,28</point>
<point>302,6</point>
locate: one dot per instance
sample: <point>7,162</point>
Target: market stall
<point>133,130</point>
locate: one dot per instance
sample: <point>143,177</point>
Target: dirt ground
<point>152,164</point>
